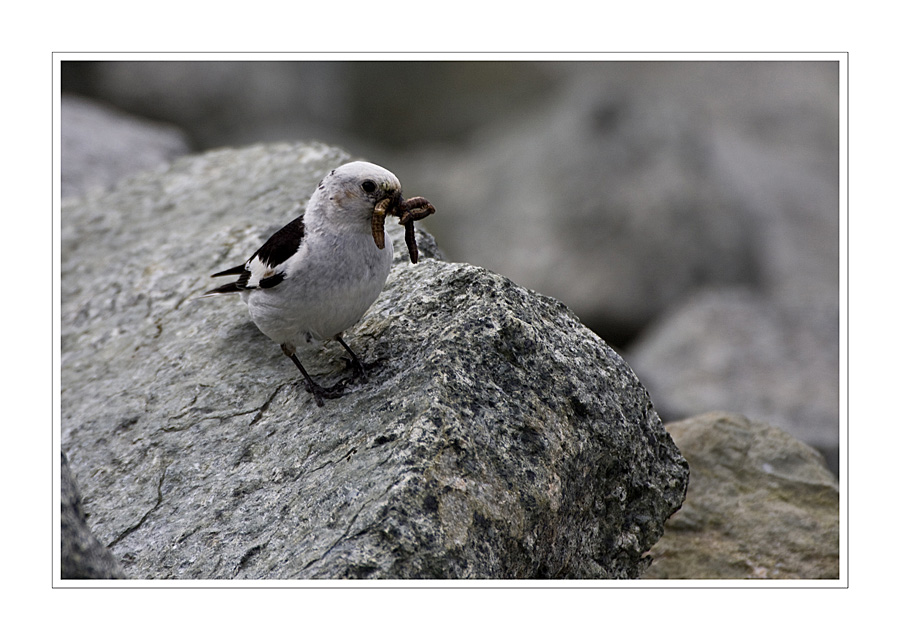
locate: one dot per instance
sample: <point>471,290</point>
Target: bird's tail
<point>231,287</point>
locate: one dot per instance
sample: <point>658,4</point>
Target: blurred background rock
<point>686,211</point>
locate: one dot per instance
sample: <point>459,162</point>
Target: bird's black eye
<point>368,186</point>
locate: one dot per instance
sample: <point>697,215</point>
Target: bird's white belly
<point>319,303</point>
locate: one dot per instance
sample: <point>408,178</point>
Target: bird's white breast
<point>329,285</point>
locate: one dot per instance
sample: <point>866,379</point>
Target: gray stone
<point>734,350</point>
<point>761,505</point>
<point>101,145</point>
<point>497,436</point>
<point>82,556</point>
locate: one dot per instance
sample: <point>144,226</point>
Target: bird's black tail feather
<point>233,271</point>
<point>231,287</point>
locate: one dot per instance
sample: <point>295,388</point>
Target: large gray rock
<point>497,438</point>
<point>761,505</point>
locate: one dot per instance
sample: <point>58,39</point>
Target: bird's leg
<point>318,391</point>
<point>361,371</point>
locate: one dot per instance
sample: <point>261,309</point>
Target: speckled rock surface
<point>497,437</point>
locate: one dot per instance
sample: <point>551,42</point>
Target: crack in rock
<point>133,528</point>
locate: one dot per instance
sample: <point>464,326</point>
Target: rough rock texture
<point>497,438</point>
<point>732,350</point>
<point>760,505</point>
<point>101,145</point>
<point>82,555</point>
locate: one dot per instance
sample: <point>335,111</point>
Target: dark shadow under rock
<point>82,556</point>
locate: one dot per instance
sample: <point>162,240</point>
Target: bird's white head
<point>346,197</point>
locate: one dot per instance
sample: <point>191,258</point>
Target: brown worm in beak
<point>378,222</point>
<point>410,210</point>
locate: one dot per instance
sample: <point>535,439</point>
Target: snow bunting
<point>317,276</point>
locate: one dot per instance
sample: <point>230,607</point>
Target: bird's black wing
<point>265,268</point>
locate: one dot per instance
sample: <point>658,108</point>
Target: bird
<point>317,276</point>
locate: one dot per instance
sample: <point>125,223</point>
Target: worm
<point>410,237</point>
<point>410,210</point>
<point>378,222</point>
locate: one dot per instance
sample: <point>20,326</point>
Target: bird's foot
<point>363,371</point>
<point>357,369</point>
<point>319,392</point>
